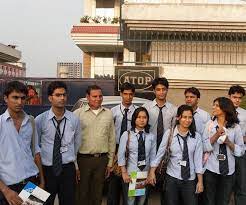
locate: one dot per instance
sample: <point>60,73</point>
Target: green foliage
<point>243,104</point>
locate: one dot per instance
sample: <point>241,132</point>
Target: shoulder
<point>148,104</point>
<point>42,115</point>
<point>171,106</point>
<point>115,108</point>
<point>241,111</point>
<point>70,115</point>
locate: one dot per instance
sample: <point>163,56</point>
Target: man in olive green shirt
<point>95,157</point>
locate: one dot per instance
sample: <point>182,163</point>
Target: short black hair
<point>92,87</point>
<point>162,81</point>
<point>194,91</point>
<point>127,86</point>
<point>55,85</point>
<point>135,116</point>
<point>236,89</point>
<point>15,86</point>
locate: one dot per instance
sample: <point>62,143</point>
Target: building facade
<point>69,70</point>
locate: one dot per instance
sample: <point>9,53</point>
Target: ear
<point>178,118</point>
<point>5,99</point>
<point>50,98</point>
<point>121,94</point>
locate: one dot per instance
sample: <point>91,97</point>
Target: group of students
<point>207,161</point>
<point>61,148</point>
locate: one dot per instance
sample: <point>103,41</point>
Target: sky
<point>41,31</point>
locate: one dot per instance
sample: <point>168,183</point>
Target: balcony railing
<point>100,19</point>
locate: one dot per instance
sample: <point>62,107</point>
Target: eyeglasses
<point>60,95</point>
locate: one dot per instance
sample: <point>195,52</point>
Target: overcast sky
<point>41,30</point>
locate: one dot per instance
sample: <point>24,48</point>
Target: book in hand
<point>31,194</point>
<point>137,186</point>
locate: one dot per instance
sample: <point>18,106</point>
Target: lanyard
<point>64,126</point>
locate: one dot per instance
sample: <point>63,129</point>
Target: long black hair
<point>228,108</point>
<point>135,116</point>
<point>181,109</point>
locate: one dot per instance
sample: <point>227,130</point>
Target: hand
<point>199,187</point>
<point>108,171</point>
<point>42,185</point>
<point>126,177</point>
<point>77,176</point>
<point>220,132</point>
<point>151,179</point>
<point>12,197</point>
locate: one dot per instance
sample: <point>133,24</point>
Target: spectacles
<point>60,95</point>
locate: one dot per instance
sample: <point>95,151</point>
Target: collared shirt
<point>235,136</point>
<point>201,117</point>
<point>16,158</point>
<point>118,113</point>
<point>71,139</point>
<point>242,120</point>
<point>132,161</point>
<point>195,154</point>
<point>169,112</point>
<point>98,132</point>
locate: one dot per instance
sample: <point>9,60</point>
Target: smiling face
<point>95,99</point>
<point>185,119</point>
<point>15,101</point>
<point>216,110</point>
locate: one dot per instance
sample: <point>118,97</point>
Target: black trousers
<point>240,185</point>
<point>177,190</point>
<point>217,188</point>
<point>63,185</point>
<point>115,191</point>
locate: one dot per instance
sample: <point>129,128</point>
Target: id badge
<point>141,163</point>
<point>182,163</point>
<point>63,149</point>
<point>221,157</point>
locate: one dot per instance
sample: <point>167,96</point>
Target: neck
<point>195,108</point>
<point>160,103</point>
<point>126,105</point>
<point>139,128</point>
<point>182,130</point>
<point>59,112</point>
<point>16,115</point>
<point>221,120</point>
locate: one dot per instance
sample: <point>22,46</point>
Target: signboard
<point>140,76</point>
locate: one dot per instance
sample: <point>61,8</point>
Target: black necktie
<point>185,170</point>
<point>160,128</point>
<point>141,152</point>
<point>57,156</point>
<point>124,122</point>
<point>223,164</point>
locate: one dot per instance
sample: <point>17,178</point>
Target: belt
<point>92,155</point>
<point>25,181</point>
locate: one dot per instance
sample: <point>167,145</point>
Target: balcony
<point>97,34</point>
<point>164,16</point>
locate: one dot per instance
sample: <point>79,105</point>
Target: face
<point>191,99</point>
<point>59,98</point>
<point>127,97</point>
<point>236,99</point>
<point>185,119</point>
<point>15,101</point>
<point>95,99</point>
<point>216,111</point>
<point>31,92</point>
<point>160,92</point>
<point>141,120</point>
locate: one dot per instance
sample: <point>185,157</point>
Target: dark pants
<point>115,191</point>
<point>92,175</point>
<point>63,185</point>
<point>177,190</point>
<point>217,188</point>
<point>240,186</point>
<point>158,188</point>
<point>17,188</point>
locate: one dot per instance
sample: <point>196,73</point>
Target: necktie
<point>185,170</point>
<point>223,164</point>
<point>57,156</point>
<point>124,122</point>
<point>141,152</point>
<point>160,128</point>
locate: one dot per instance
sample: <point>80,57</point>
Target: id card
<point>182,163</point>
<point>141,163</point>
<point>221,157</point>
<point>63,149</point>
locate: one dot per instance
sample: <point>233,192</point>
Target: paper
<point>33,195</point>
<point>137,186</point>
